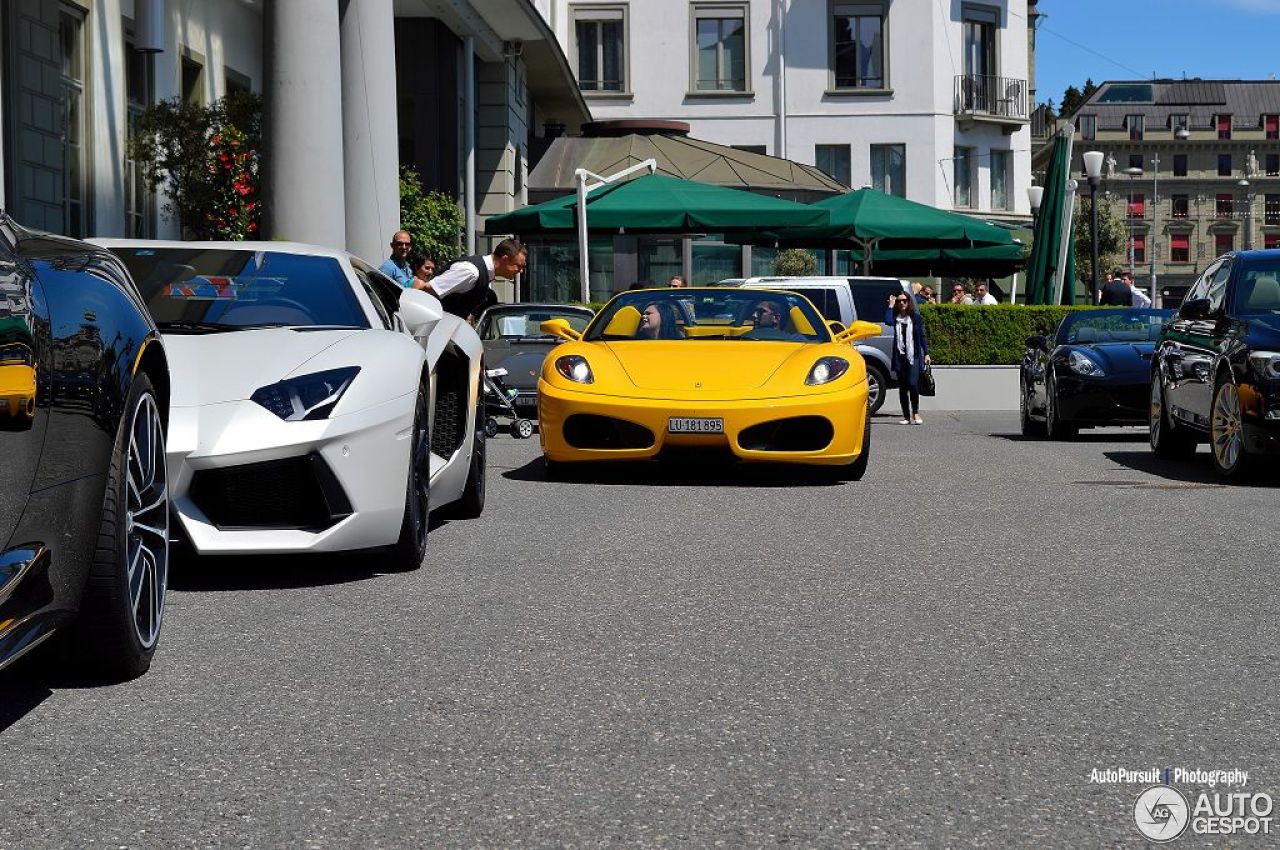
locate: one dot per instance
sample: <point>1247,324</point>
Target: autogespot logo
<point>1161,813</point>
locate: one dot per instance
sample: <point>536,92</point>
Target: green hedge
<point>962,335</point>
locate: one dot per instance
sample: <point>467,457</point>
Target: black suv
<point>1216,371</point>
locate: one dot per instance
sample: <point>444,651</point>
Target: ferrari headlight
<point>306,396</point>
<point>1267,363</point>
<point>826,370</point>
<point>1082,364</point>
<point>575,368</point>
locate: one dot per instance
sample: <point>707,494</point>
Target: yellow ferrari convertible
<point>754,372</point>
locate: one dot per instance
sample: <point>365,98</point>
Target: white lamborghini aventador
<point>316,406</point>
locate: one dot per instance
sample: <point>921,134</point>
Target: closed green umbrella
<point>657,203</point>
<point>1050,229</point>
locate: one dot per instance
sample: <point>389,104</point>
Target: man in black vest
<point>465,288</point>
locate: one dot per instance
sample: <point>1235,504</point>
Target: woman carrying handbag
<point>910,353</point>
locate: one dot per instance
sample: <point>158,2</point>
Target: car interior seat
<point>1086,335</point>
<point>624,323</point>
<point>1265,294</point>
<point>800,322</point>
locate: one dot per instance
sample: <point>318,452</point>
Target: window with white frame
<point>835,160</point>
<point>962,170</point>
<point>600,47</point>
<point>1000,180</point>
<point>720,47</point>
<point>858,59</point>
<point>889,169</point>
<point>75,166</point>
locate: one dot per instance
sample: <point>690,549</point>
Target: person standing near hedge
<point>910,353</point>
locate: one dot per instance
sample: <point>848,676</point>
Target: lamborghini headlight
<point>826,370</point>
<point>1266,364</point>
<point>575,368</point>
<point>1083,364</point>
<point>306,396</point>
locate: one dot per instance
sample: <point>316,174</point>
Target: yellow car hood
<point>712,365</point>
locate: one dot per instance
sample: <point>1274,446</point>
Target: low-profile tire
<point>858,468</point>
<point>411,547</point>
<point>123,604</point>
<point>1055,428</point>
<point>1168,440</point>
<point>1226,429</point>
<point>877,387</point>
<point>522,429</point>
<point>1030,427</point>
<point>470,504</point>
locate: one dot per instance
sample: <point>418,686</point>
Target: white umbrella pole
<point>581,175</point>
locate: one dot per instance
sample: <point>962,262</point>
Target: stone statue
<point>1111,166</point>
<point>1251,165</point>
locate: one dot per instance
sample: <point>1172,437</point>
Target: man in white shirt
<point>1140,298</point>
<point>465,287</point>
<point>982,296</point>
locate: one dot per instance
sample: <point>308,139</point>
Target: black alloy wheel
<point>1226,429</point>
<point>1030,427</point>
<point>123,604</point>
<point>411,547</point>
<point>1168,440</point>
<point>877,386</point>
<point>1055,427</point>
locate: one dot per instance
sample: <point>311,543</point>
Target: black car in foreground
<point>513,340</point>
<point>1217,375</point>
<point>1095,370</point>
<point>84,504</point>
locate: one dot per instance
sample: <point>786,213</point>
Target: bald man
<point>397,265</point>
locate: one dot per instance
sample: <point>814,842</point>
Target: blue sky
<point>1134,39</point>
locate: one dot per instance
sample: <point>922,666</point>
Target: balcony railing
<point>985,96</point>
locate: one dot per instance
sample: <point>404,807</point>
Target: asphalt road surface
<point>935,656</point>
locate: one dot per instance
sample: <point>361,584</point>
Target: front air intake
<point>589,431</point>
<point>796,434</point>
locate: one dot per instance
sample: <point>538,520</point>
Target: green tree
<point>795,262</point>
<point>206,158</point>
<point>1073,98</point>
<point>1111,241</point>
<point>433,219</point>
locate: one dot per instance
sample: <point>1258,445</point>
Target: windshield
<point>1124,325</point>
<point>524,321</point>
<point>1258,288</point>
<point>228,289</point>
<point>723,314</point>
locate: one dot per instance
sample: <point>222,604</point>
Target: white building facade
<point>924,99</point>
<point>353,89</point>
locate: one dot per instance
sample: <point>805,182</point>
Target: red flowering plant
<point>205,159</point>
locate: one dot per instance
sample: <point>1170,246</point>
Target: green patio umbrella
<point>869,219</point>
<point>657,203</point>
<point>1052,227</point>
<point>979,261</point>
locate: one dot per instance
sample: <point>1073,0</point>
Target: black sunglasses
<point>401,244</point>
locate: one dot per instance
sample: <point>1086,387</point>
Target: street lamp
<point>1243,183</point>
<point>1093,170</point>
<point>1154,241</point>
<point>1133,171</point>
<point>1035,194</point>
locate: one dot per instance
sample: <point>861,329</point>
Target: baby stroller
<point>497,403</point>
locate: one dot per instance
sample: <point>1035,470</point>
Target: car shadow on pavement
<point>685,473</point>
<point>23,691</point>
<point>1082,437</point>
<point>273,572</point>
<point>1197,470</point>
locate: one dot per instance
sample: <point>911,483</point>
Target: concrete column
<point>303,127</point>
<point>370,140</point>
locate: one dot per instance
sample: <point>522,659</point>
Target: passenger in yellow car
<point>658,321</point>
<point>767,317</point>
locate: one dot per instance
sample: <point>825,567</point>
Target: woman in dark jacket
<point>910,353</point>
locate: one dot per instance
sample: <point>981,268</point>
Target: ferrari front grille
<point>795,434</point>
<point>589,431</point>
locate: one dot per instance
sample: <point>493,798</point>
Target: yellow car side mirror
<point>858,330</point>
<point>560,328</point>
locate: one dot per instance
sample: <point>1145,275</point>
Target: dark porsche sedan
<point>513,340</point>
<point>1093,371</point>
<point>1218,368</point>
<point>84,500</point>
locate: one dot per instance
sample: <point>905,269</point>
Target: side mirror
<point>1196,308</point>
<point>420,312</point>
<point>858,330</point>
<point>837,328</point>
<point>1038,341</point>
<point>561,329</point>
